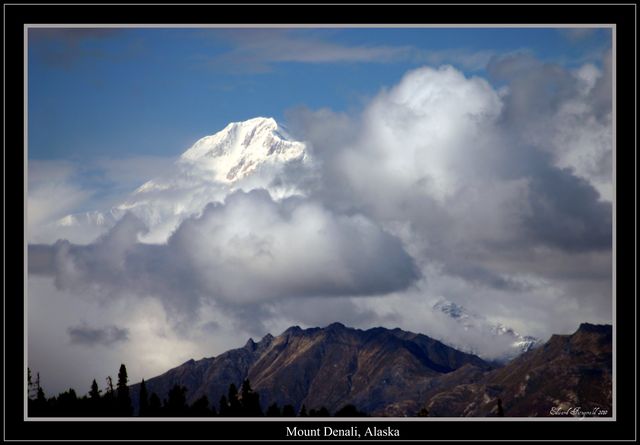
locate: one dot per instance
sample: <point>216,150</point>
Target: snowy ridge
<point>241,147</point>
<point>513,342</point>
<point>254,154</point>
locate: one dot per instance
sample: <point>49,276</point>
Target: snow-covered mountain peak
<point>254,154</point>
<point>453,310</point>
<point>242,147</point>
<point>507,341</point>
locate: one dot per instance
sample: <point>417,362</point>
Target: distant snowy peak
<point>243,156</point>
<point>470,321</point>
<point>241,147</point>
<point>453,310</point>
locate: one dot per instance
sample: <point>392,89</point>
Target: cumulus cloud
<point>454,168</point>
<point>247,250</point>
<point>91,336</point>
<point>566,113</point>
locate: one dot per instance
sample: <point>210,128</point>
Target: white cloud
<point>257,50</point>
<point>247,250</point>
<point>51,194</point>
<point>564,113</point>
<point>439,161</point>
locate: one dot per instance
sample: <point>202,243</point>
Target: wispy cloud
<point>257,50</point>
<point>577,34</point>
<point>462,58</point>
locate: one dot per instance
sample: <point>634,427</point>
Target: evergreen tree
<point>200,408</point>
<point>155,407</point>
<point>109,386</point>
<point>109,399</point>
<point>94,404</point>
<point>40,397</point>
<point>500,412</point>
<point>224,406</point>
<point>143,406</point>
<point>39,406</point>
<point>176,405</point>
<point>250,401</point>
<point>322,412</point>
<point>94,394</point>
<point>303,412</point>
<point>274,410</point>
<point>288,411</point>
<point>67,404</point>
<point>235,409</point>
<point>123,397</point>
<point>29,385</point>
<point>349,411</point>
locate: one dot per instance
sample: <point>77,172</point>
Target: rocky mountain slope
<point>381,371</point>
<point>568,372</point>
<point>397,373</point>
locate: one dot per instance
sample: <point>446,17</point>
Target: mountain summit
<point>242,147</point>
<point>254,154</point>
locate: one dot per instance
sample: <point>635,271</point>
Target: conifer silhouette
<point>200,408</point>
<point>123,398</point>
<point>500,412</point>
<point>143,404</point>
<point>250,400</point>
<point>235,409</point>
<point>155,407</point>
<point>274,410</point>
<point>176,405</point>
<point>224,406</point>
<point>288,411</point>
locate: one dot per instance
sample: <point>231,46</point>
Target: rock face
<point>380,371</point>
<point>567,372</point>
<point>397,373</point>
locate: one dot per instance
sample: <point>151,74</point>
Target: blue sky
<point>128,92</point>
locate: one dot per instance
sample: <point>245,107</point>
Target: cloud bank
<point>249,249</point>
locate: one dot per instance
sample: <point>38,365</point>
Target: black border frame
<point>624,16</point>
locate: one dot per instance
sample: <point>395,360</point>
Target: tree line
<point>116,402</point>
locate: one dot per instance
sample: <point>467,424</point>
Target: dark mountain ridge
<point>569,374</point>
<point>391,372</point>
<point>381,371</point>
